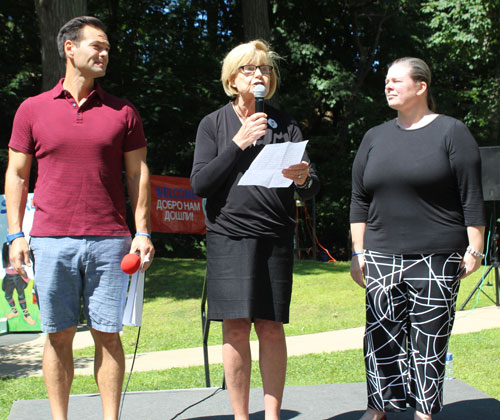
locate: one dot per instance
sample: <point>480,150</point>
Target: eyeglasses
<point>249,69</point>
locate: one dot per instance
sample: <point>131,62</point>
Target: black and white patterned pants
<point>410,309</point>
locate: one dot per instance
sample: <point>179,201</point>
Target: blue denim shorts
<point>71,268</point>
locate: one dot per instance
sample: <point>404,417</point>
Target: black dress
<point>249,228</point>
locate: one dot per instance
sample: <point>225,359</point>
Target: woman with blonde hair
<point>249,228</point>
<point>417,226</point>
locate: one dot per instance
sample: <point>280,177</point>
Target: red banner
<point>175,208</point>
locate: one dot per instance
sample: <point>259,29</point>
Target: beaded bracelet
<point>472,251</point>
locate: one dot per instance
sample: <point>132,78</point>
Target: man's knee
<point>62,339</point>
<point>109,341</point>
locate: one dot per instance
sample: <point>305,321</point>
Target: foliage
<point>166,58</point>
<point>334,87</point>
<point>465,43</point>
<point>20,74</point>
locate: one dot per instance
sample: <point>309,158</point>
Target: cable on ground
<point>130,373</point>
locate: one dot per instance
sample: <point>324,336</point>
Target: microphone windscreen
<point>259,91</point>
<point>130,263</point>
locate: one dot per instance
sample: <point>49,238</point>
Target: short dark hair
<point>72,30</point>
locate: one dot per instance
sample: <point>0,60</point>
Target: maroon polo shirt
<point>79,150</point>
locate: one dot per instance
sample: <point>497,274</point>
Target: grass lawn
<point>324,298</point>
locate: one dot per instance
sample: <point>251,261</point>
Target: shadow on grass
<point>183,278</point>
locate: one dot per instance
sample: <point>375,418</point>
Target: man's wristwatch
<point>10,238</point>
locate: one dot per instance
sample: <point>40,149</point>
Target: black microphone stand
<point>494,265</point>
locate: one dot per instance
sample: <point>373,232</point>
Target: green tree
<point>333,76</point>
<point>166,57</point>
<point>20,73</point>
<point>52,14</point>
<point>465,42</point>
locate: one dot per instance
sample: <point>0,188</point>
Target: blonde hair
<point>419,72</point>
<point>254,52</point>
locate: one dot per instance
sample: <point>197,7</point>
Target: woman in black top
<point>417,226</point>
<point>249,228</point>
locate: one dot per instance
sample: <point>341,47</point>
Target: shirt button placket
<point>79,117</point>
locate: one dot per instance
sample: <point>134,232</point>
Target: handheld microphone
<point>130,263</point>
<point>259,91</point>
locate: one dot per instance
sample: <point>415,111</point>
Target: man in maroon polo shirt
<point>82,139</point>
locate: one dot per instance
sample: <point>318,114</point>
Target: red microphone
<point>130,263</point>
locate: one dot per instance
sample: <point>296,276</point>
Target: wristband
<point>10,238</point>
<point>143,234</point>
<point>472,251</point>
<point>306,185</point>
<point>358,253</point>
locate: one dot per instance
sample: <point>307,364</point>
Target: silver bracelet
<point>472,251</point>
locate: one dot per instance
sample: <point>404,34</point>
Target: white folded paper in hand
<point>132,315</point>
<point>266,168</point>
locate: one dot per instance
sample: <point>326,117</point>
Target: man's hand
<point>143,246</point>
<point>19,254</point>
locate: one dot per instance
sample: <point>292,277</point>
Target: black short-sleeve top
<point>417,190</point>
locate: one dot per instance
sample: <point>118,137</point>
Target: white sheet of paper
<point>133,308</point>
<point>266,168</point>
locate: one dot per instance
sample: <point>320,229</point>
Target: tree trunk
<point>256,26</point>
<point>52,14</point>
<point>212,9</point>
<point>255,20</point>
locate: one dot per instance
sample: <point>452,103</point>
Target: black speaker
<point>490,172</point>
